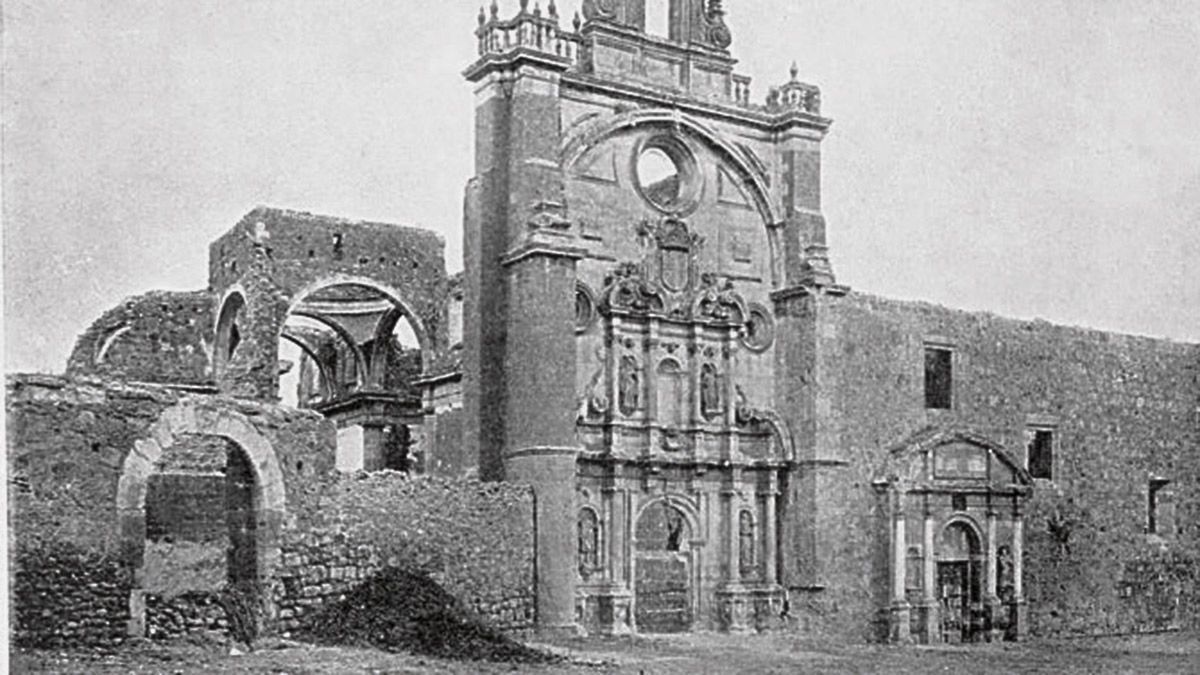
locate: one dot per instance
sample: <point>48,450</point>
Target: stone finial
<point>495,10</point>
<point>537,9</point>
<point>524,6</point>
<point>552,10</point>
<point>795,71</point>
<point>577,21</point>
<point>482,18</point>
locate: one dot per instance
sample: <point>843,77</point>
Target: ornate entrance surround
<point>939,478</point>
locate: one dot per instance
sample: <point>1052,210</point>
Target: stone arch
<point>678,502</point>
<point>225,335</point>
<point>188,417</point>
<point>966,522</point>
<point>360,362</point>
<point>327,378</point>
<point>583,138</point>
<point>424,339</point>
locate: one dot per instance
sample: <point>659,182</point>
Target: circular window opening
<point>759,330</point>
<point>665,174</point>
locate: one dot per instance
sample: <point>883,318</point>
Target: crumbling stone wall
<point>1123,409</point>
<point>473,538</point>
<point>272,256</point>
<point>72,572</point>
<point>66,445</point>
<point>160,336</point>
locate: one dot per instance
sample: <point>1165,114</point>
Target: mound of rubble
<point>402,611</point>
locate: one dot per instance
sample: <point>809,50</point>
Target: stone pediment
<point>955,456</point>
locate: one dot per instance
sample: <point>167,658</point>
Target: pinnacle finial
<point>576,22</point>
<point>495,9</point>
<point>537,9</point>
<point>524,6</point>
<point>795,71</point>
<point>482,16</point>
<point>552,9</point>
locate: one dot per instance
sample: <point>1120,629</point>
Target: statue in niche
<point>629,389</point>
<point>589,542</point>
<point>1004,576</point>
<point>674,529</point>
<point>710,391</point>
<point>747,566</point>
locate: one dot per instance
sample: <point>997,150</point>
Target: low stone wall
<point>73,564</point>
<point>67,596</point>
<point>473,538</point>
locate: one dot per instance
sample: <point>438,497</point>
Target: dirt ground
<point>659,655</point>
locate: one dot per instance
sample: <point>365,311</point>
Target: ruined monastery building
<point>646,405</point>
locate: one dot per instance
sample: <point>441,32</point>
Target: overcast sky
<point>1034,159</point>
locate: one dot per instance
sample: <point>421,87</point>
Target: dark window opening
<point>958,502</point>
<point>937,378</point>
<point>235,338</point>
<point>1160,515</point>
<point>1041,454</point>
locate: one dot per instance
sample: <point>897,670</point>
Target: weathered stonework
<point>79,571</point>
<point>163,337</point>
<point>685,421</point>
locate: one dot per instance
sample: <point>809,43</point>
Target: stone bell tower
<point>644,254</point>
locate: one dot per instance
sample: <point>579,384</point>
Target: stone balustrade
<point>528,29</point>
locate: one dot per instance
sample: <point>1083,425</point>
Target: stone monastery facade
<point>649,334</point>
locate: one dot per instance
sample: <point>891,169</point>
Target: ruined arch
<point>422,332</point>
<point>226,332</point>
<point>189,417</point>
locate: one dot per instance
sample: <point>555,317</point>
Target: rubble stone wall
<point>475,539</point>
<point>68,440</point>
<point>1122,408</point>
<point>160,336</point>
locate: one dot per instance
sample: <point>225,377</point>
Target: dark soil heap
<point>397,610</point>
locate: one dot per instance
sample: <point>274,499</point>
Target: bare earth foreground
<point>705,653</point>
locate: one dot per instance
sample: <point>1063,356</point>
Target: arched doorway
<point>960,582</point>
<point>663,595</point>
<point>196,444</point>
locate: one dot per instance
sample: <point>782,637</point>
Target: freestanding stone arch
<point>192,416</point>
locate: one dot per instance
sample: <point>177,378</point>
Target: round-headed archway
<point>960,581</point>
<point>663,592</point>
<point>254,506</point>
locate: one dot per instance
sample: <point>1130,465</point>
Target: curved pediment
<point>935,456</point>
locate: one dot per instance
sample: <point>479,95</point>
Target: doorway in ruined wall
<point>201,502</point>
<point>200,533</point>
<point>353,351</point>
<point>663,593</point>
<point>960,583</point>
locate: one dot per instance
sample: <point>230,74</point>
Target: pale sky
<point>1030,158</point>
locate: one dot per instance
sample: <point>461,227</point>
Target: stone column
<point>551,472</point>
<point>900,610</point>
<point>770,532</point>
<point>991,600</point>
<point>1019,614</point>
<point>930,609</point>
